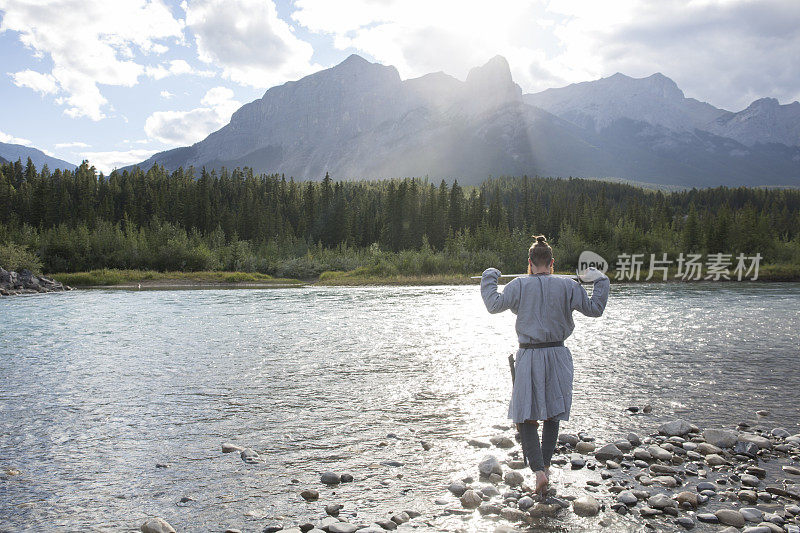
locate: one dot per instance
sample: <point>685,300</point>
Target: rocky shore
<point>678,477</point>
<point>25,282</point>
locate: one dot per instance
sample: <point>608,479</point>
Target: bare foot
<point>541,483</point>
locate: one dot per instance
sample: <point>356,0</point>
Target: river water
<point>98,387</point>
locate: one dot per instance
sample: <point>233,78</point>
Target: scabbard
<point>511,365</point>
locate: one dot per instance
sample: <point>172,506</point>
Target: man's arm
<point>497,302</point>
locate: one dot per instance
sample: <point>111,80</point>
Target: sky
<point>116,81</point>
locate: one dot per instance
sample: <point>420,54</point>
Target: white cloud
<point>248,40</point>
<point>724,51</point>
<point>166,95</point>
<point>175,67</point>
<point>108,161</point>
<point>187,127</point>
<point>41,83</point>
<point>90,42</point>
<point>61,146</point>
<point>6,138</point>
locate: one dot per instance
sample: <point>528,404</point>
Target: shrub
<point>16,258</point>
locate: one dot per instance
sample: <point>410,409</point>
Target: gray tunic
<point>543,305</point>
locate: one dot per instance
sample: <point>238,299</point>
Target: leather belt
<point>526,345</point>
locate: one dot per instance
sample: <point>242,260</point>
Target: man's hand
<point>491,272</point>
<point>590,275</point>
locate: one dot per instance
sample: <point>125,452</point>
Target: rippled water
<point>100,386</point>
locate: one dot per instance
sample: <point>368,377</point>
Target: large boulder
<point>490,465</point>
<point>586,506</point>
<point>758,440</point>
<point>721,438</point>
<point>156,525</point>
<point>609,452</point>
<point>675,428</point>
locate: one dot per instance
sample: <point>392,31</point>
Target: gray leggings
<point>538,456</point>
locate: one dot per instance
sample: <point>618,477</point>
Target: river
<point>98,387</point>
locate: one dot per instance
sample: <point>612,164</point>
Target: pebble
<point>730,517</point>
<point>513,478</point>
<point>660,501</point>
<point>478,443</point>
<point>346,478</point>
<point>249,456</point>
<point>526,502</point>
<point>490,491</point>
<point>333,508</point>
<point>748,449</point>
<point>642,454</point>
<point>426,445</point>
<point>502,442</point>
<point>386,524</point>
<point>648,512</point>
<point>705,448</point>
<point>685,522</point>
<point>458,488</point>
<point>271,528</point>
<point>329,478</point>
<point>751,514</point>
<point>400,518</point>
<point>487,508</point>
<point>470,499</point>
<point>227,447</point>
<point>584,447</point>
<point>675,428</point>
<point>490,465</point>
<point>647,409</point>
<point>156,525</point>
<point>586,506</point>
<point>792,509</point>
<point>608,452</point>
<point>722,438</point>
<point>310,495</point>
<point>568,438</point>
<point>577,463</point>
<point>749,480</point>
<point>511,514</point>
<point>659,453</point>
<point>793,470</point>
<point>687,497</point>
<point>714,459</point>
<point>667,481</point>
<point>781,433</point>
<point>708,518</point>
<point>748,496</point>
<point>758,440</point>
<point>627,497</point>
<point>634,439</point>
<point>705,485</point>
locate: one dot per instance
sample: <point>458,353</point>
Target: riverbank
<point>26,282</point>
<point>149,279</point>
<point>678,477</point>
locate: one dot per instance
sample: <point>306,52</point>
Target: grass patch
<point>107,276</point>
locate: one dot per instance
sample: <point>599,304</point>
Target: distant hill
<point>360,120</point>
<point>14,152</point>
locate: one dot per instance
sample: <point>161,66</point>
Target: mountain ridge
<point>12,152</point>
<point>360,120</point>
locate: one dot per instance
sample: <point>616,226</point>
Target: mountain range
<point>14,152</point>
<point>361,120</point>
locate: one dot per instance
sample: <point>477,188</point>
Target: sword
<point>570,276</point>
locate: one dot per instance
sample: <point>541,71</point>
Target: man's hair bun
<point>540,240</point>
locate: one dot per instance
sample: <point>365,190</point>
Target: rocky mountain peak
<point>491,85</point>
